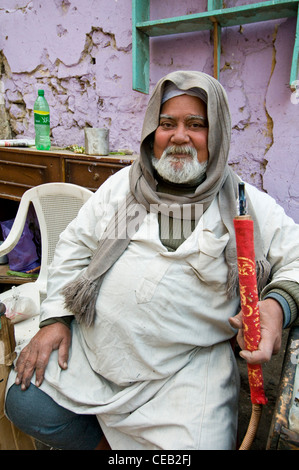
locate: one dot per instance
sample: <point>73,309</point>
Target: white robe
<point>157,367</point>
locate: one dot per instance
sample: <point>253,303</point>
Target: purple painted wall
<point>79,51</point>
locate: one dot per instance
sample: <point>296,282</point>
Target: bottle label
<point>42,117</point>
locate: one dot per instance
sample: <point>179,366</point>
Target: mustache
<point>180,149</point>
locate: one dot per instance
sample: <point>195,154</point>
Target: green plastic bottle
<point>42,122</point>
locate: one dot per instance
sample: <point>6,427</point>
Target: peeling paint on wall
<point>84,68</point>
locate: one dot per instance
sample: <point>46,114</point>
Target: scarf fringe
<point>232,288</point>
<point>80,298</point>
<point>263,269</point>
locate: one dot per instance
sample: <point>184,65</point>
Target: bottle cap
<point>41,92</point>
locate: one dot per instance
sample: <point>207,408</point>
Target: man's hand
<point>35,356</point>
<point>271,320</point>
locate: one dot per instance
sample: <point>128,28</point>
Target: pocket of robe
<point>209,264</point>
<point>157,268</point>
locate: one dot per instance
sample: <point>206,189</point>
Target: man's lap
<point>195,409</point>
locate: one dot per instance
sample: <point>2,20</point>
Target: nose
<point>180,135</point>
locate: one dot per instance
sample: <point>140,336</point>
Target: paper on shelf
<point>17,143</point>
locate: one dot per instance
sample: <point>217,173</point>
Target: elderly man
<point>143,293</point>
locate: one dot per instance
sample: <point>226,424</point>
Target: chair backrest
<point>56,205</point>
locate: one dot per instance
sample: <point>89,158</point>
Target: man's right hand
<point>35,356</point>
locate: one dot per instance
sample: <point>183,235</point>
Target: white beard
<point>191,171</point>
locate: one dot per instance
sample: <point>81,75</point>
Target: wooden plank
<point>244,14</point>
<point>14,280</point>
<point>215,4</point>
<point>90,175</point>
<point>140,46</point>
<point>288,440</point>
<point>280,423</point>
<point>217,49</point>
<point>294,83</point>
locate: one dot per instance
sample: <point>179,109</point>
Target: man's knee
<point>15,403</point>
<point>38,415</point>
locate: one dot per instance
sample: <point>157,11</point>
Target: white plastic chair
<point>56,205</point>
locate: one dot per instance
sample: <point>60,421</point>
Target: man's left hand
<point>271,321</point>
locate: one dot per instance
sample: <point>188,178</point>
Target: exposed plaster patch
<point>61,31</point>
<point>99,36</point>
<point>62,5</point>
<point>5,128</point>
<point>27,5</point>
<point>71,90</point>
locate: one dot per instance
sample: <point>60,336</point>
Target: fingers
<point>63,353</point>
<point>41,364</point>
<point>271,318</point>
<point>260,356</point>
<point>35,356</point>
<point>268,346</point>
<point>237,323</point>
<point>32,359</point>
<point>25,368</point>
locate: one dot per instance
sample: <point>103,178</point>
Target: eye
<point>195,125</point>
<point>167,125</point>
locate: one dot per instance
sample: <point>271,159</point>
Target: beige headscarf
<point>81,295</point>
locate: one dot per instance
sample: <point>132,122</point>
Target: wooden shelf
<point>8,279</point>
<point>225,17</point>
<point>24,168</point>
<point>214,19</point>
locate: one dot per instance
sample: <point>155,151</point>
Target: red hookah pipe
<point>244,230</point>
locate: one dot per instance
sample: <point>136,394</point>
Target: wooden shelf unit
<point>215,18</point>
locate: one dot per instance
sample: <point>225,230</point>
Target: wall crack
<point>269,126</point>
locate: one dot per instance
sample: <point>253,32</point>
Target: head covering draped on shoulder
<point>221,182</point>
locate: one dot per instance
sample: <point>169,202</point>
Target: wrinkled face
<point>183,121</point>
